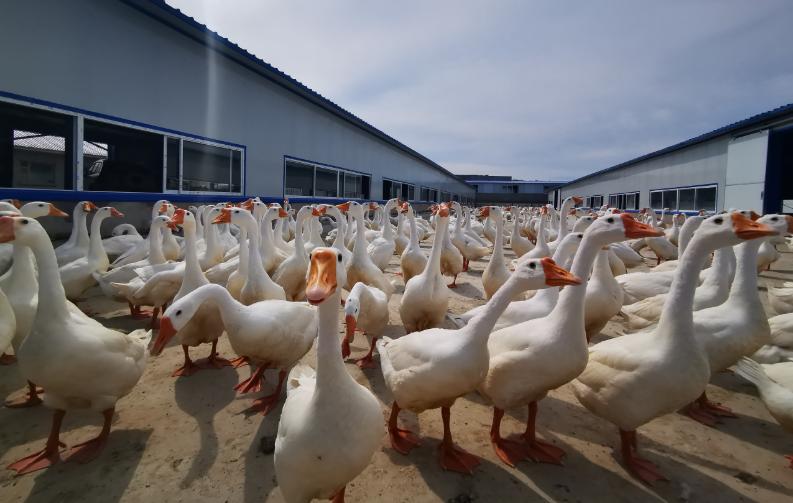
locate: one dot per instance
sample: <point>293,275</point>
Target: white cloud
<point>532,89</point>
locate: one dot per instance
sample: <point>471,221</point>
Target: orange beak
<point>373,206</point>
<point>485,212</point>
<point>317,212</point>
<point>16,202</point>
<point>789,224</point>
<point>165,334</point>
<point>635,229</point>
<point>224,217</point>
<point>163,208</point>
<point>544,210</point>
<point>754,215</point>
<point>349,326</point>
<point>344,207</point>
<point>404,207</point>
<point>557,276</point>
<point>55,212</point>
<point>177,218</point>
<point>282,213</point>
<point>6,229</point>
<point>749,229</point>
<point>247,205</point>
<point>88,206</point>
<point>321,282</point>
<point>444,210</point>
<point>115,213</point>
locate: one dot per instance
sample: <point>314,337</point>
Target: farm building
<point>743,165</point>
<point>492,189</point>
<point>138,102</point>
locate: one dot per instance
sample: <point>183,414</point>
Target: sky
<point>547,90</point>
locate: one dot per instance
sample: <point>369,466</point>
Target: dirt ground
<point>189,439</point>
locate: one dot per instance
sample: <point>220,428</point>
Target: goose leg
<point>367,362</point>
<point>7,359</point>
<point>266,404</point>
<point>509,451</point>
<point>713,408</point>
<point>452,457</point>
<point>47,457</point>
<point>136,312</point>
<point>403,441</point>
<point>640,468</point>
<point>339,496</point>
<point>253,383</point>
<point>31,399</point>
<point>539,451</point>
<point>240,361</point>
<point>465,264</point>
<point>188,368</point>
<point>453,284</point>
<point>155,321</point>
<point>213,361</point>
<point>90,450</point>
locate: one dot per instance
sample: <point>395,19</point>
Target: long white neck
<point>541,231</point>
<point>359,250</point>
<point>414,232</point>
<point>434,263</point>
<point>388,231</point>
<point>255,263</point>
<point>686,231</point>
<point>497,258</point>
<point>156,255</point>
<point>230,309</point>
<point>23,271</point>
<point>212,240</point>
<point>96,251</point>
<point>300,248</point>
<point>338,241</point>
<point>482,324</point>
<point>193,276</point>
<point>82,229</point>
<point>722,270</point>
<point>744,286</point>
<point>242,267</point>
<point>199,226</point>
<point>569,309</point>
<point>330,366</point>
<point>52,297</point>
<point>677,317</point>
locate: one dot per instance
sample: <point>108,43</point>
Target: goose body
<point>603,297</point>
<point>361,267</point>
<point>413,259</point>
<point>365,309</point>
<point>78,243</point>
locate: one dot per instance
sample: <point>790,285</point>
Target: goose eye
<point>610,220</point>
<point>41,206</point>
<point>178,312</point>
<point>774,219</point>
<point>718,220</point>
<point>339,257</point>
<point>25,222</point>
<point>124,233</point>
<point>532,265</point>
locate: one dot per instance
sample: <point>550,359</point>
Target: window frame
<point>78,117</point>
<point>621,199</point>
<point>677,190</point>
<point>340,172</point>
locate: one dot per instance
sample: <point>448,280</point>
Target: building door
<point>779,172</point>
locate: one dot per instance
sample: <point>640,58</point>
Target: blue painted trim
<point>80,195</point>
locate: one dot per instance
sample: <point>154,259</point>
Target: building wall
<point>107,57</point>
<point>701,164</point>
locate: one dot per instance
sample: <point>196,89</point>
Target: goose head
<point>107,211</point>
<point>535,274</point>
<point>165,208</point>
<point>729,229</point>
<point>159,222</point>
<point>86,206</point>
<point>237,216</point>
<point>326,274</point>
<point>352,308</point>
<point>182,217</point>
<point>612,228</point>
<point>21,229</point>
<point>783,224</point>
<point>124,230</point>
<point>16,203</point>
<point>177,316</point>
<point>38,209</point>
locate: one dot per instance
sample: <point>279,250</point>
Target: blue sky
<point>549,90</point>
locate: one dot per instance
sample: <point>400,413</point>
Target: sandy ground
<point>189,439</point>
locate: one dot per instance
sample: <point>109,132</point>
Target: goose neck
<point>677,316</point>
<point>434,263</point>
<point>52,297</point>
<point>156,255</point>
<point>242,266</point>
<point>744,286</point>
<point>96,251</point>
<point>482,324</point>
<point>330,366</point>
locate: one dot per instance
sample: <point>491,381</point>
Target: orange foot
<point>27,400</point>
<point>238,362</point>
<point>36,461</point>
<point>700,415</point>
<point>7,359</point>
<point>454,459</point>
<point>509,451</point>
<point>213,362</point>
<point>716,409</point>
<point>543,452</point>
<point>186,370</point>
<point>403,441</point>
<point>264,405</point>
<point>452,285</point>
<point>644,470</point>
<point>86,451</point>
<point>367,362</point>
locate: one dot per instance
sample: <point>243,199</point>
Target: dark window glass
<point>117,158</point>
<point>298,179</point>
<point>425,194</point>
<point>387,189</point>
<point>205,168</point>
<point>670,199</point>
<point>353,186</point>
<point>706,199</point>
<point>455,197</point>
<point>631,201</point>
<point>236,171</point>
<point>35,148</point>
<point>326,183</point>
<point>656,200</point>
<point>685,199</point>
<point>405,192</point>
<point>172,163</point>
<point>613,201</point>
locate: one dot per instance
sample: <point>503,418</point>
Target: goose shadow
<point>260,480</point>
<point>558,417</point>
<point>202,396</point>
<point>468,290</point>
<point>103,479</point>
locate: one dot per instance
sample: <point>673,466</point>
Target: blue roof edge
<point>753,121</point>
<point>171,16</point>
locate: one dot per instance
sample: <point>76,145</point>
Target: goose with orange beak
<point>633,379</point>
<point>424,375</point>
<point>365,309</point>
<point>77,245</point>
<point>330,425</point>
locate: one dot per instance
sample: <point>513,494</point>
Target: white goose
<point>291,274</point>
<point>330,425</point>
<point>519,244</point>
<point>470,247</point>
<point>426,297</point>
<point>603,296</point>
<point>633,379</point>
<point>78,275</point>
<point>451,258</point>
<point>413,259</point>
<point>432,368</point>
<point>382,248</point>
<point>496,272</point>
<point>365,309</point>
<point>77,244</point>
<point>123,237</point>
<point>777,396</point>
<point>205,326</point>
<point>270,334</point>
<point>81,364</point>
<point>781,298</point>
<point>361,267</point>
<point>530,359</point>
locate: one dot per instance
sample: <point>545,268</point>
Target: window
<point>434,195</point>
<point>307,179</point>
<point>445,197</point>
<point>613,201</point>
<point>594,201</point>
<point>632,201</point>
<point>408,192</point>
<point>173,162</point>
<point>117,158</point>
<point>685,199</point>
<point>327,183</point>
<point>207,168</point>
<point>425,194</point>
<point>36,148</point>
